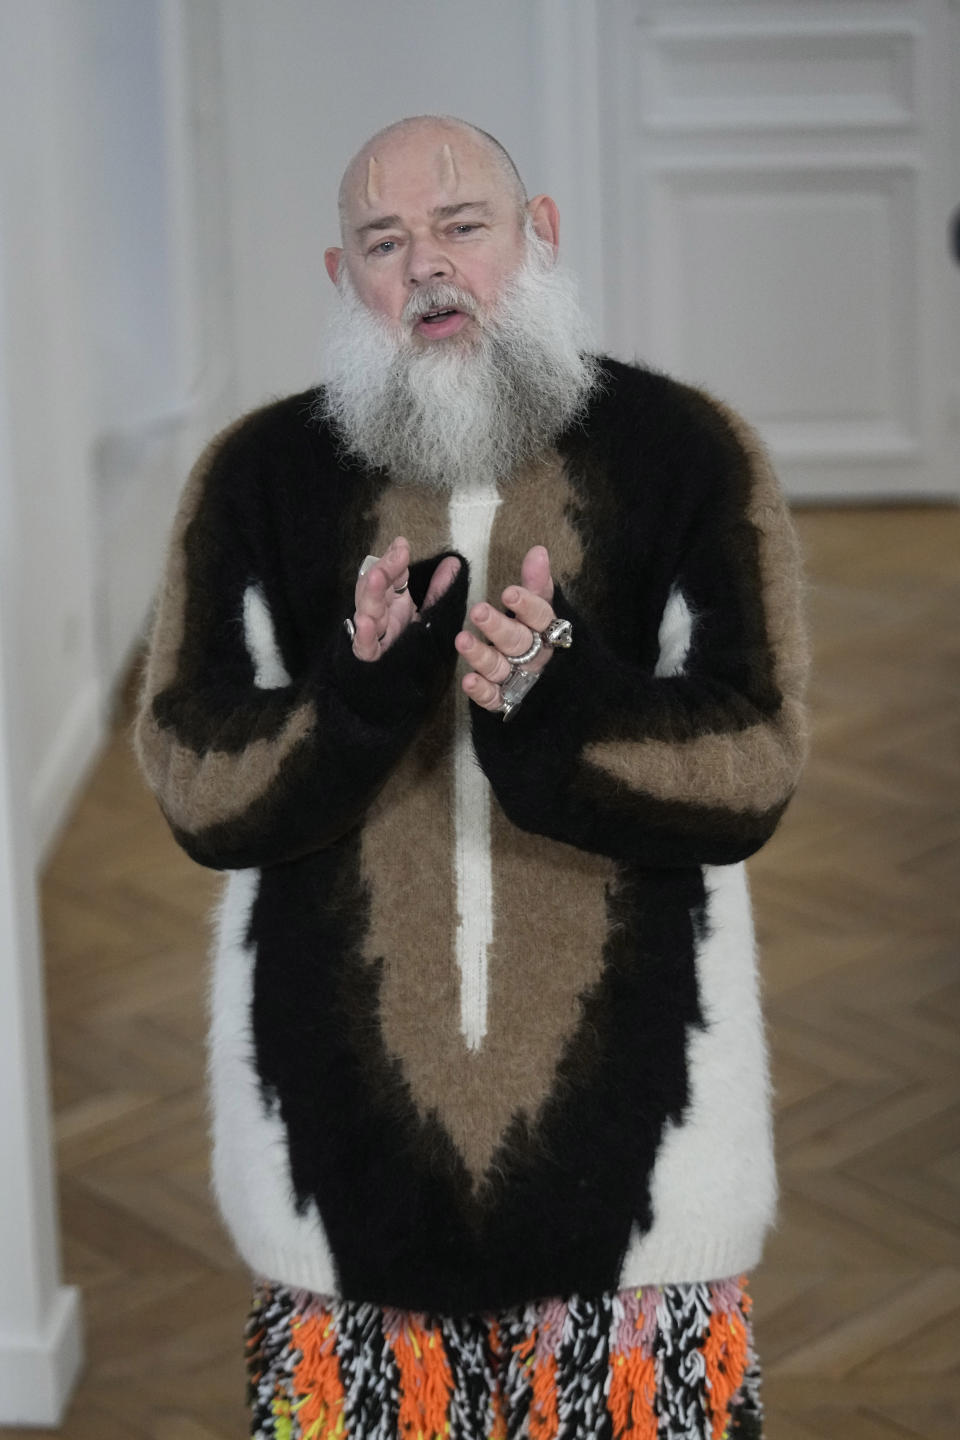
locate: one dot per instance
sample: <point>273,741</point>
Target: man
<point>490,1097</point>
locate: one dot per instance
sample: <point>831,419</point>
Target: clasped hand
<point>384,609</point>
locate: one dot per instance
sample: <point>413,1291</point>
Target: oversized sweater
<point>485,1023</point>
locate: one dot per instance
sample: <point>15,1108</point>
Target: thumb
<point>535,572</point>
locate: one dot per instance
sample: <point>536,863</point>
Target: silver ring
<point>514,690</point>
<point>558,633</point>
<point>399,589</point>
<point>350,628</point>
<point>536,645</point>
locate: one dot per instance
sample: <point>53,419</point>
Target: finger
<point>395,560</point>
<point>366,644</point>
<point>400,585</point>
<point>529,607</point>
<point>484,659</point>
<point>371,593</point>
<point>535,572</point>
<point>511,637</point>
<point>390,571</point>
<point>441,580</point>
<point>482,692</point>
<point>379,599</point>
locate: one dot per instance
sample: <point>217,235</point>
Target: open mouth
<point>444,321</point>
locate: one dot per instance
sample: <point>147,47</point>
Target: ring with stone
<point>559,633</point>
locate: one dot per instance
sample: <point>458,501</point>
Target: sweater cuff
<point>401,686</point>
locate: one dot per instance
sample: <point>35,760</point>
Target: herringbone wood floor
<point>858,1301</point>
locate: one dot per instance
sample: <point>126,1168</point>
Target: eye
<point>464,228</point>
<point>384,247</point>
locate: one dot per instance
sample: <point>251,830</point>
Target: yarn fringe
<point>658,1363</point>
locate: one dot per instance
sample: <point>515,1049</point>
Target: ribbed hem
<point>694,1261</point>
<point>300,1270</point>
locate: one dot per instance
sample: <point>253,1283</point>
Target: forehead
<point>422,169</point>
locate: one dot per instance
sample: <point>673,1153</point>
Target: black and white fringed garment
<point>485,1021</point>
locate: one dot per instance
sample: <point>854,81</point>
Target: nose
<point>427,262</point>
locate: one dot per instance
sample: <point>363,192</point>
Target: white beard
<point>456,413</point>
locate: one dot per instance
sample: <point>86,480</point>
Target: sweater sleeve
<point>691,760</point>
<point>257,751</point>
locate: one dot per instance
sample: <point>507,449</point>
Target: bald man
<point>479,668</point>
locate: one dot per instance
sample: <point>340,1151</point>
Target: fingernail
<point>511,596</point>
<point>482,612</point>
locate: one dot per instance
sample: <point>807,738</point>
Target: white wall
<point>96,418</point>
<point>49,399</point>
<point>158,267</point>
<point>49,712</point>
<point>119,320</point>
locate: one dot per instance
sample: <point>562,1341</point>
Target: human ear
<point>331,258</point>
<point>545,218</point>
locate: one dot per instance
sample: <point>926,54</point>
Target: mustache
<point>442,296</point>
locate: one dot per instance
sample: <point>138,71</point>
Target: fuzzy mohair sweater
<point>485,1023</point>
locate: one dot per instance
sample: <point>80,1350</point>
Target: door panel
<point>779,188</point>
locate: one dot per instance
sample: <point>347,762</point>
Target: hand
<point>530,603</point>
<point>381,612</point>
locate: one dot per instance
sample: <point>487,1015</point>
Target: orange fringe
<point>630,1401</point>
<point>316,1379</point>
<point>543,1420</point>
<point>426,1383</point>
<point>725,1354</point>
<point>499,1430</point>
<point>524,1348</point>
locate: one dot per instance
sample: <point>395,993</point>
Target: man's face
<point>432,207</point>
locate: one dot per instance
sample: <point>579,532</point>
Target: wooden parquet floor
<point>858,1301</point>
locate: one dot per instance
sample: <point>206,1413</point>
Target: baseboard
<point>37,1376</point>
<point>76,745</point>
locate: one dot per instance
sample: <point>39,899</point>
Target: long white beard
<point>454,413</point>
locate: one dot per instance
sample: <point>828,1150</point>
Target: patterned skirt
<point>672,1362</point>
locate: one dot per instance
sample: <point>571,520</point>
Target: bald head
<point>432,200</point>
<point>448,137</point>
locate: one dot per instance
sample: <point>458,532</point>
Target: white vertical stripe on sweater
<point>471,520</point>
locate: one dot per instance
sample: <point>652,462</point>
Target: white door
<point>779,178</point>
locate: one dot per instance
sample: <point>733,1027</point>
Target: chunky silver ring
<point>517,685</point>
<point>536,645</point>
<point>350,628</point>
<point>399,589</point>
<point>558,633</point>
